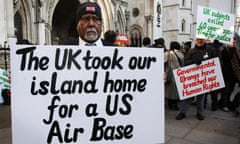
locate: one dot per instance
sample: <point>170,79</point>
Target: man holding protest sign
<point>199,53</point>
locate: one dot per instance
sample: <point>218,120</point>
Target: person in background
<point>147,42</point>
<point>196,55</point>
<point>186,47</point>
<point>109,38</point>
<point>175,59</point>
<point>218,46</point>
<point>231,73</point>
<point>237,45</point>
<point>160,43</point>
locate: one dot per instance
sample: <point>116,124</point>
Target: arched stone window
<point>183,28</point>
<point>183,3</point>
<point>18,26</point>
<point>136,36</point>
<point>120,22</point>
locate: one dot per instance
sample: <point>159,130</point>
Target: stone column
<point>11,38</point>
<point>237,12</point>
<point>41,22</point>
<point>7,22</point>
<point>3,20</point>
<point>41,34</point>
<point>149,28</point>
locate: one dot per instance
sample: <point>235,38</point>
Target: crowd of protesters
<point>89,28</point>
<point>177,55</point>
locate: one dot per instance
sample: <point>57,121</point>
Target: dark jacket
<point>199,54</point>
<point>227,69</point>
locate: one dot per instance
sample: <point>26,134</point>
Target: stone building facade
<point>52,21</point>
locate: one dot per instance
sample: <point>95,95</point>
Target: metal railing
<point>5,48</point>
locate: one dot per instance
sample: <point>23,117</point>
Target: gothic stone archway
<point>63,22</point>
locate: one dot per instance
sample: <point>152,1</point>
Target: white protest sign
<point>67,94</point>
<point>193,80</point>
<point>215,24</point>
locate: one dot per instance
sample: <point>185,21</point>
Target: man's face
<point>89,27</point>
<point>199,42</point>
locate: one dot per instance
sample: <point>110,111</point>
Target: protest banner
<point>193,80</point>
<point>215,24</point>
<point>67,94</point>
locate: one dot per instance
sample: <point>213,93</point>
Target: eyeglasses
<point>87,19</point>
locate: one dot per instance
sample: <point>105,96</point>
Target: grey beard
<point>91,37</point>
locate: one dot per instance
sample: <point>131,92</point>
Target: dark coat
<point>227,70</point>
<point>197,54</point>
